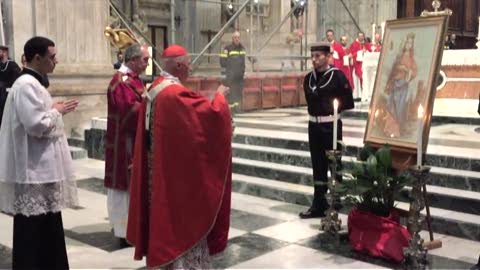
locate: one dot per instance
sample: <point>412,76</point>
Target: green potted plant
<point>371,185</point>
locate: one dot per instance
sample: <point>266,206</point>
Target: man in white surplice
<point>36,174</point>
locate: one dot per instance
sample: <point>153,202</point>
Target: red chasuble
<point>188,196</point>
<point>124,97</point>
<point>357,65</point>
<point>338,53</point>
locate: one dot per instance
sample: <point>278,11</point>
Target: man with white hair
<point>124,96</point>
<point>181,180</point>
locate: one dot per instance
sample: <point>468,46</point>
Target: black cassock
<point>9,72</point>
<point>320,91</point>
<point>39,242</point>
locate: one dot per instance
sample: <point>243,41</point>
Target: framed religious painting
<point>406,82</point>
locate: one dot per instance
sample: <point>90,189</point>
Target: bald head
<point>178,66</point>
<point>344,41</point>
<point>236,38</point>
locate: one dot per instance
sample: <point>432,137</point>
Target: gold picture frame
<point>406,78</point>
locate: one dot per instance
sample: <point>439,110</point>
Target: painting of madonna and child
<point>406,79</point>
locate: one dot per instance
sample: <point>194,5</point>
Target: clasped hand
<point>222,89</point>
<point>65,107</point>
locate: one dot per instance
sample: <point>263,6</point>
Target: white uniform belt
<point>321,119</point>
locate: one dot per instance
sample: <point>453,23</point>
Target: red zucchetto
<point>174,51</point>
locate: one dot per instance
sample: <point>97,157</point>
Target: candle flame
<point>335,104</point>
<point>376,113</point>
<point>420,112</point>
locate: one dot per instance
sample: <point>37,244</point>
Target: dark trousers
<point>236,88</point>
<point>39,242</point>
<point>3,100</point>
<point>320,137</point>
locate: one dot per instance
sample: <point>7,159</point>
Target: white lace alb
<point>37,199</point>
<point>196,258</point>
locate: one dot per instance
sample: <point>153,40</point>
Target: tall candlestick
<point>383,29</point>
<point>374,28</point>
<point>335,123</point>
<point>420,136</point>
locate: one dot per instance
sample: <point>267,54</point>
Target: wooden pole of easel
<point>433,244</point>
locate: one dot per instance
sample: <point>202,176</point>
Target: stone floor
<point>263,234</point>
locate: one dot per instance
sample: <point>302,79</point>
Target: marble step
<point>443,177</point>
<point>436,119</point>
<point>446,222</point>
<point>78,152</point>
<point>355,128</point>
<point>441,197</point>
<point>462,158</point>
<point>77,142</point>
<point>449,109</point>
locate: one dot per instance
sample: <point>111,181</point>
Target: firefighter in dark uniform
<point>322,86</point>
<point>232,59</point>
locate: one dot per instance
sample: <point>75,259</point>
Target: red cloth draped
<point>354,49</point>
<point>190,189</point>
<point>377,47</point>
<point>338,61</point>
<point>124,97</point>
<point>378,236</point>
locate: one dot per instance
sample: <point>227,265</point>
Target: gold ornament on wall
<point>120,38</point>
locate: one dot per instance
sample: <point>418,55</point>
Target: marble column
<point>361,10</point>
<point>84,67</point>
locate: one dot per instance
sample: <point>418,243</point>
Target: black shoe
<point>123,243</point>
<point>312,214</point>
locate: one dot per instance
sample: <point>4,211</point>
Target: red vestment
<point>188,196</point>
<point>124,96</point>
<point>357,65</point>
<point>376,47</point>
<point>338,53</point>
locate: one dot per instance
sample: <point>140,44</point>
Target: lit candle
<point>335,123</point>
<point>420,137</point>
<point>374,27</point>
<point>383,29</point>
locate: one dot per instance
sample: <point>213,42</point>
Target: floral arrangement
<point>371,185</point>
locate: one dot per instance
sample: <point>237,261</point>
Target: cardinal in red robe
<point>358,49</point>
<point>181,181</point>
<point>341,58</point>
<point>124,96</point>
